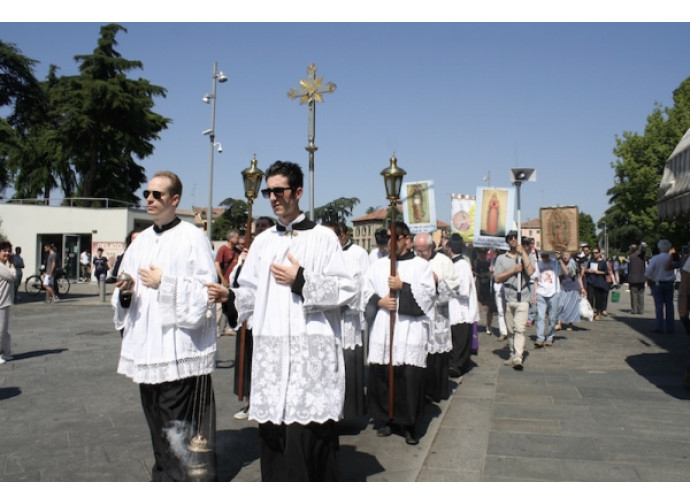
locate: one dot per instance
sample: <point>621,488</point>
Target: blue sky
<point>454,101</point>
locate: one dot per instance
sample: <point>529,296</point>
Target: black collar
<point>303,225</point>
<point>167,226</point>
<point>456,258</point>
<point>407,256</point>
<point>347,245</point>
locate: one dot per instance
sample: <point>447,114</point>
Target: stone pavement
<point>605,403</point>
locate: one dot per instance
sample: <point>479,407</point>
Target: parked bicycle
<point>34,284</point>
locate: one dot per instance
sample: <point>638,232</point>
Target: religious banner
<point>419,206</point>
<point>494,217</point>
<point>462,209</point>
<point>559,229</point>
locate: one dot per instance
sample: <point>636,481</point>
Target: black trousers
<point>355,403</point>
<point>408,394</point>
<point>461,334</point>
<point>437,383</point>
<point>296,452</point>
<point>176,411</point>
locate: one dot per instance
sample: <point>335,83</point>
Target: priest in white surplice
<point>294,282</point>
<point>437,383</point>
<point>169,334</point>
<point>413,305</point>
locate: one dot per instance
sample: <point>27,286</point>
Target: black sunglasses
<point>278,191</point>
<point>156,194</point>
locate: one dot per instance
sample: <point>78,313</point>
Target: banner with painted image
<point>419,206</point>
<point>494,216</point>
<point>462,209</point>
<point>559,229</point>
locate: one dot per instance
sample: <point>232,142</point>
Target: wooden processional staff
<point>251,178</point>
<point>392,179</point>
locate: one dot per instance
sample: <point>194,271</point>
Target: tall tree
<point>633,215</point>
<point>340,209</point>
<point>21,93</point>
<point>108,121</point>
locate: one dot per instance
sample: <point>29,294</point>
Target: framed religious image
<point>493,216</point>
<point>419,206</point>
<point>559,229</point>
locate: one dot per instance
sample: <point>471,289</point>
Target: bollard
<point>101,287</point>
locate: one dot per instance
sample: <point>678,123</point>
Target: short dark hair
<point>5,245</point>
<point>381,237</point>
<point>456,243</point>
<point>401,229</point>
<point>292,171</point>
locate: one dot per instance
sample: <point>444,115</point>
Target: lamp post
<point>251,177</point>
<point>518,176</point>
<point>392,179</point>
<point>211,99</point>
<point>311,90</point>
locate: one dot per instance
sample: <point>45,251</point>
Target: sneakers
<point>570,327</point>
<point>597,317</point>
<point>242,414</point>
<point>55,299</point>
<point>539,343</point>
<point>548,342</point>
<point>509,362</point>
<point>502,337</point>
<point>2,361</point>
<point>6,357</point>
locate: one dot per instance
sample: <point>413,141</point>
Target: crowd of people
<point>327,332</point>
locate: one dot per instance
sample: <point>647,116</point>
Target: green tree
<point>234,217</point>
<point>107,120</point>
<point>21,93</point>
<point>633,215</point>
<point>340,208</point>
<point>586,229</point>
<point>42,162</point>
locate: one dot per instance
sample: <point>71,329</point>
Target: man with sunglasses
<point>513,269</point>
<point>293,284</point>
<point>169,332</point>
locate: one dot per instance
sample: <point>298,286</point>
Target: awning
<point>674,188</point>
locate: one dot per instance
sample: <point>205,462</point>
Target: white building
<point>72,229</point>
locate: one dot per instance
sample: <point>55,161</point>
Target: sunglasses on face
<point>277,191</point>
<point>156,194</point>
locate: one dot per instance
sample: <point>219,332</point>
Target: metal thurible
<point>127,285</point>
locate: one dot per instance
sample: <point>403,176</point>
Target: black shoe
<point>454,372</point>
<point>410,437</point>
<point>384,431</point>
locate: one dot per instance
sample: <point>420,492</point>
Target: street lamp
<point>251,178</point>
<point>517,177</point>
<point>211,99</point>
<point>392,180</point>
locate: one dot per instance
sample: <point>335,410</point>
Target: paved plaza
<point>605,403</point>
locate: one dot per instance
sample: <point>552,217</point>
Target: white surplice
<point>298,373</point>
<point>463,308</point>
<point>357,260</point>
<point>440,340</point>
<point>410,334</point>
<point>169,332</point>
